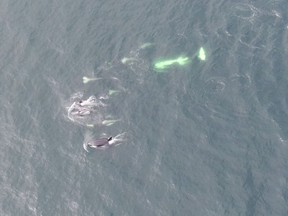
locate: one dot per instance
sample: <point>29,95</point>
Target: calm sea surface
<point>208,138</point>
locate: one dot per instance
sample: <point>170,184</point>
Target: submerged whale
<point>88,112</point>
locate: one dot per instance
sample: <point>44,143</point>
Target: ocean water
<point>208,138</point>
